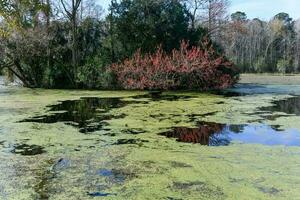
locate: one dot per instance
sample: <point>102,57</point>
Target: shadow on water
<point>22,149</point>
<point>289,106</point>
<point>100,194</point>
<point>27,150</point>
<point>90,114</point>
<point>215,134</point>
<point>130,141</point>
<point>160,96</point>
<point>227,93</point>
<point>87,114</point>
<point>133,131</point>
<point>243,90</point>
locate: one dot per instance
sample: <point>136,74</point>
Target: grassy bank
<point>286,79</point>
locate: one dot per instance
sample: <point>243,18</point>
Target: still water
<point>243,143</point>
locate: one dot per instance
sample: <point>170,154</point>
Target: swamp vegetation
<point>242,143</point>
<point>221,140</point>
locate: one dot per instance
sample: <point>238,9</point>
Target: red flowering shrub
<point>186,68</point>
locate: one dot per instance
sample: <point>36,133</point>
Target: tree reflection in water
<point>88,114</point>
<point>289,106</point>
<point>207,133</point>
<point>214,134</point>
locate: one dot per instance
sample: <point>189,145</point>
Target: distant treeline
<point>260,46</point>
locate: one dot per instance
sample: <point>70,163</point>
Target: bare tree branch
<point>65,9</point>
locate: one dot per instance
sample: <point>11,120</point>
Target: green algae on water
<point>130,160</point>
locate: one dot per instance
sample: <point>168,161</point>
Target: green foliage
<point>95,75</point>
<point>145,24</point>
<point>239,16</point>
<point>260,65</point>
<point>77,52</point>
<point>283,17</point>
<point>284,66</point>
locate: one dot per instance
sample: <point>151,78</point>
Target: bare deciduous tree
<point>71,9</point>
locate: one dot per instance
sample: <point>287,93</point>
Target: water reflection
<point>116,176</point>
<point>27,150</point>
<point>88,114</point>
<point>204,134</point>
<point>228,93</point>
<point>44,177</point>
<point>100,194</point>
<point>160,96</point>
<point>130,141</point>
<point>22,149</point>
<point>288,106</point>
<point>214,134</point>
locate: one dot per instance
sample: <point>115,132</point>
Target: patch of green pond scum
<point>129,160</point>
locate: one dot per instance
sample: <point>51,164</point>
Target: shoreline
<point>270,79</point>
<point>262,79</point>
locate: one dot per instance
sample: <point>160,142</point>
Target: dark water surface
<point>22,149</point>
<point>88,114</point>
<point>289,106</point>
<point>28,150</point>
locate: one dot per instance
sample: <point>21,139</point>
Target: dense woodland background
<point>78,44</point>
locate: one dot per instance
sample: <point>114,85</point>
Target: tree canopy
<point>73,43</point>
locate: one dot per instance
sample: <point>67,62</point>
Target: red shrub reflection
<point>203,134</point>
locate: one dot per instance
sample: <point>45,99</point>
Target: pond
<point>242,143</point>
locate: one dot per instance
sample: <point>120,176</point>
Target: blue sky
<point>103,3</point>
<point>264,9</point>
